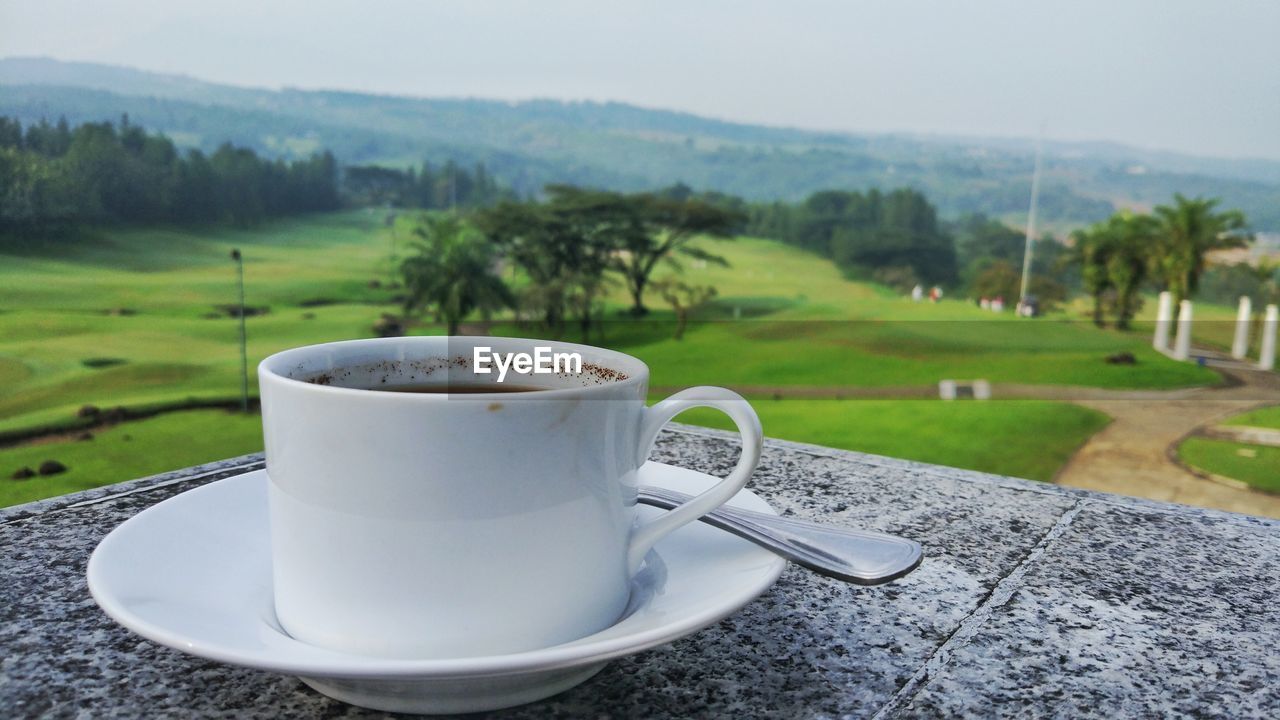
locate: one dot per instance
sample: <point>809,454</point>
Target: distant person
<point>935,294</point>
<point>917,293</point>
<point>985,303</point>
<point>997,305</point>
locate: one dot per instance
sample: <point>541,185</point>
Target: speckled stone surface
<point>1033,601</point>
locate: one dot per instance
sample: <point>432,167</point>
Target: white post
<point>1267,361</point>
<point>1182,343</point>
<point>1164,318</point>
<point>1240,347</point>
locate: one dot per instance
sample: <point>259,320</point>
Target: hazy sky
<point>1199,76</point>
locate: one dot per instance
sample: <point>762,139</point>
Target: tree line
<point>893,237</point>
<point>897,239</point>
<point>53,176</point>
<point>570,246</point>
<point>567,249</point>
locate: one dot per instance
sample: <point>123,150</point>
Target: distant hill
<point>528,144</point>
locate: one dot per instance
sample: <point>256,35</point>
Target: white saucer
<point>194,573</point>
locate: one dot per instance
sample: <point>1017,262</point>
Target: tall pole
<point>1031,224</point>
<point>1164,319</point>
<point>1240,344</point>
<point>1267,359</point>
<point>244,355</point>
<point>1182,341</point>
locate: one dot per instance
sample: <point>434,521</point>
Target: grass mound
<point>1256,465</point>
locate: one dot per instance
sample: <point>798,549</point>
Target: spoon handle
<point>862,557</point>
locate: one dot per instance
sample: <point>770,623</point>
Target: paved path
<point>1242,434</point>
<point>1135,454</point>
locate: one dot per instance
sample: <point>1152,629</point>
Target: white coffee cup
<point>412,525</point>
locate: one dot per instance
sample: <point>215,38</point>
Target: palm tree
<point>1114,259</point>
<point>1091,252</point>
<point>1130,239</point>
<point>453,271</point>
<point>1189,229</point>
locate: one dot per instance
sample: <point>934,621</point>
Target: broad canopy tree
<point>566,245</point>
<point>663,227</point>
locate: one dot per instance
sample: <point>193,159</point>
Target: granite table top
<point>1033,601</point>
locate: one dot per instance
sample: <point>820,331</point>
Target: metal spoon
<point>862,557</point>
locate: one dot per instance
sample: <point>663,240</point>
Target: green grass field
<point>130,317</point>
<point>1252,464</point>
<point>1257,465</point>
<point>312,274</point>
<point>1267,417</point>
<point>1035,437</point>
<point>131,450</point>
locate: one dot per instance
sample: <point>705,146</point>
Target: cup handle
<point>657,416</point>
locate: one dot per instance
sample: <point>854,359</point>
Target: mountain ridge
<point>531,142</point>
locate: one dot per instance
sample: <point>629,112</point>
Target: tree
<point>1115,256</point>
<point>564,247</point>
<point>979,237</point>
<point>594,225</point>
<point>10,133</point>
<point>660,226</point>
<point>1224,284</point>
<point>34,194</point>
<point>1188,231</point>
<point>452,272</point>
<point>683,298</point>
<point>1132,237</point>
<point>1091,250</point>
<point>999,279</point>
<point>539,243</point>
